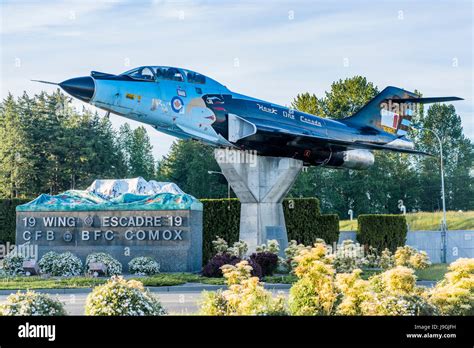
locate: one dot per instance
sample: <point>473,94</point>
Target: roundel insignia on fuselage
<point>177,104</point>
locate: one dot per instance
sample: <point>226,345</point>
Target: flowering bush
<point>354,291</point>
<point>454,295</point>
<point>320,291</point>
<point>113,266</point>
<point>121,297</point>
<point>387,260</point>
<point>390,293</point>
<point>65,264</point>
<point>410,257</point>
<point>245,296</point>
<point>371,258</point>
<point>292,251</point>
<point>229,256</point>
<point>220,245</point>
<point>143,265</point>
<point>386,304</point>
<point>13,264</point>
<point>315,292</point>
<point>399,280</point>
<point>31,303</point>
<point>272,246</point>
<point>348,256</point>
<point>238,249</point>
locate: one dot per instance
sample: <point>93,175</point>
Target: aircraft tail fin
<point>392,110</point>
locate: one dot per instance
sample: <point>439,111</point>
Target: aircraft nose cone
<point>79,87</point>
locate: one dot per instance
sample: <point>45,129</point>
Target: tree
<point>137,151</point>
<point>308,103</point>
<point>458,158</point>
<point>377,189</point>
<point>188,164</point>
<point>13,159</point>
<point>49,147</point>
<point>348,96</point>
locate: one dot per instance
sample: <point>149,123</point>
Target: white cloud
<point>26,16</point>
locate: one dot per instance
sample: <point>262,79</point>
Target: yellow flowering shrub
<point>121,297</point>
<point>245,296</point>
<point>354,291</point>
<point>315,292</point>
<point>399,280</point>
<point>454,295</point>
<point>394,292</point>
<point>410,257</point>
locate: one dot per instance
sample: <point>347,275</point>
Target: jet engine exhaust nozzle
<point>79,87</point>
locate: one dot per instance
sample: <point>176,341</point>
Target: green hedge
<point>321,226</point>
<point>8,219</point>
<point>219,220</point>
<point>304,222</point>
<point>382,231</point>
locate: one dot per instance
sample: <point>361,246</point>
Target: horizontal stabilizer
<point>428,100</point>
<point>370,146</point>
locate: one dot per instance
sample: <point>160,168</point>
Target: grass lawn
<point>163,279</point>
<point>427,221</point>
<point>434,272</point>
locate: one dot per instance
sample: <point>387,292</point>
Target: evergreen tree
<point>188,164</point>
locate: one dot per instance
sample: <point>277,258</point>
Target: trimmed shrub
<point>120,297</point>
<point>31,303</point>
<point>245,295</point>
<point>8,219</point>
<point>219,220</point>
<point>256,269</point>
<point>318,227</point>
<point>213,267</point>
<point>61,265</point>
<point>382,231</point>
<point>143,265</point>
<point>267,261</point>
<point>113,266</point>
<point>315,292</point>
<point>13,264</point>
<point>303,221</point>
<point>454,295</point>
<point>410,257</point>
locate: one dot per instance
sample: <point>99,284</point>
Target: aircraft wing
<point>304,137</point>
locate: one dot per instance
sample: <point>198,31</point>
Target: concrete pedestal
<point>260,183</point>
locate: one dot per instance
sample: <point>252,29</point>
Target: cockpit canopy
<point>153,73</point>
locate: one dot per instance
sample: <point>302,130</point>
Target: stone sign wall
<point>172,237</point>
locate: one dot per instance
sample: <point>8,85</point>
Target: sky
<point>271,50</point>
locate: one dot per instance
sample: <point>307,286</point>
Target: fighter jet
<point>189,105</point>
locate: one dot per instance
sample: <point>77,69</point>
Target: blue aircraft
<point>189,105</point>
